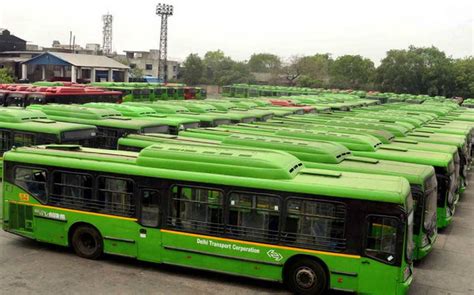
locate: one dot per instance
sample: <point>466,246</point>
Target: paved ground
<point>27,267</point>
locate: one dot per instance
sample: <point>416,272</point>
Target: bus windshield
<point>77,134</point>
<point>430,205</point>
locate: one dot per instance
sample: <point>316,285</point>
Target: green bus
<point>328,156</point>
<point>370,147</point>
<point>175,110</point>
<point>241,211</point>
<point>175,124</point>
<point>20,127</point>
<point>226,105</point>
<point>111,125</point>
<point>235,117</point>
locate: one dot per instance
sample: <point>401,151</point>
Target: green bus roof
<point>145,113</point>
<point>320,155</point>
<point>35,121</point>
<point>214,165</point>
<point>93,116</point>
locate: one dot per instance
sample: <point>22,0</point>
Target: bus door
<point>380,260</point>
<point>149,236</point>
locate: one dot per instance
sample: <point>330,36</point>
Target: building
<point>91,48</point>
<point>94,47</point>
<point>148,62</point>
<point>9,42</point>
<point>12,60</point>
<point>60,66</point>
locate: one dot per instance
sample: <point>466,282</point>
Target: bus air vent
<point>318,172</point>
<point>65,147</point>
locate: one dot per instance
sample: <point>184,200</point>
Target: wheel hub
<point>305,277</point>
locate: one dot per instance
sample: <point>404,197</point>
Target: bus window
<point>5,141</point>
<point>33,181</point>
<point>150,210</point>
<point>315,224</point>
<point>197,209</point>
<point>72,190</point>
<point>107,138</point>
<point>23,139</point>
<point>382,238</point>
<point>254,216</point>
<point>116,195</point>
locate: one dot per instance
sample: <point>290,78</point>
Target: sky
<point>241,28</point>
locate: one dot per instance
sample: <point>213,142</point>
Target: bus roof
<point>320,155</point>
<point>143,112</point>
<point>97,117</point>
<point>241,167</point>
<point>35,121</point>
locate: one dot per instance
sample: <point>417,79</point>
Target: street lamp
<point>163,10</point>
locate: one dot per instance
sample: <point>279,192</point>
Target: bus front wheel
<point>306,276</point>
<point>87,242</point>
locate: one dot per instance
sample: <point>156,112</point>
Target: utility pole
<point>163,10</point>
<point>107,34</point>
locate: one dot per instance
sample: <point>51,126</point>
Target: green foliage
<point>193,69</point>
<point>352,71</point>
<point>316,68</point>
<point>222,70</point>
<point>6,76</point>
<point>416,71</point>
<point>413,70</point>
<point>264,63</point>
<point>463,70</point>
<point>136,72</point>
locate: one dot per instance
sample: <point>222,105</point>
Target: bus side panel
<point>52,224</point>
<point>252,259</point>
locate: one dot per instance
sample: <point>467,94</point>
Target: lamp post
<point>163,10</point>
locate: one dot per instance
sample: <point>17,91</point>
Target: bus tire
<point>306,276</point>
<point>87,242</point>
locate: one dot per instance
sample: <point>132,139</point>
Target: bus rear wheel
<point>306,276</point>
<point>87,242</point>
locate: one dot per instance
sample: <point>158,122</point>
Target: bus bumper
<point>443,218</point>
<point>423,251</point>
<point>402,288</point>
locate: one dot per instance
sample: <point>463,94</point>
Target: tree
<point>6,76</point>
<point>315,70</point>
<point>193,69</point>
<point>352,71</point>
<point>463,70</point>
<point>264,63</point>
<point>136,72</point>
<point>222,70</point>
<point>292,70</point>
<point>416,71</point>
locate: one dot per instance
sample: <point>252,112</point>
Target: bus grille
<point>21,217</point>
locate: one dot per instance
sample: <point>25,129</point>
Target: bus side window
<point>5,141</point>
<point>72,190</point>
<point>150,208</point>
<point>254,216</point>
<point>23,139</point>
<point>116,196</point>
<point>382,237</point>
<point>316,224</point>
<point>196,209</point>
<point>33,181</point>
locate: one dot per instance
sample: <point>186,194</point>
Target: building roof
<point>5,33</point>
<point>78,60</point>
